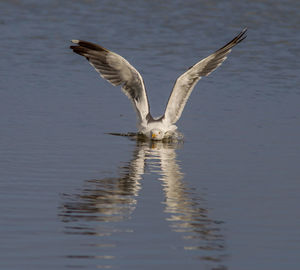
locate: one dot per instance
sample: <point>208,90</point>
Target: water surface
<point>72,196</point>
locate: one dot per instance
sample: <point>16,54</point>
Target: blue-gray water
<point>73,197</point>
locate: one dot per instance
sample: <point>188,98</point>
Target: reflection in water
<point>103,203</point>
<point>183,205</point>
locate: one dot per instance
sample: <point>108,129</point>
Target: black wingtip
<point>88,45</point>
<point>242,35</point>
<point>239,38</point>
<point>244,30</point>
<point>78,49</point>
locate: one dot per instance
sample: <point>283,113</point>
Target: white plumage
<point>118,71</point>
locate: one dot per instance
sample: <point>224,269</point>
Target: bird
<point>119,72</point>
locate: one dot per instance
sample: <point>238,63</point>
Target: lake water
<point>74,197</point>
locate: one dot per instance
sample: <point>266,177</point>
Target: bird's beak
<point>153,135</point>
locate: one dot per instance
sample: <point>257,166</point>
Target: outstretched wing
<point>185,84</point>
<point>117,70</point>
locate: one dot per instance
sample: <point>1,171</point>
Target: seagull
<point>118,71</point>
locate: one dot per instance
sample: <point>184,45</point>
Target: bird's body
<point>157,129</point>
<point>118,71</point>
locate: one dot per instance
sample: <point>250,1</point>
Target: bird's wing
<point>185,84</point>
<point>118,71</point>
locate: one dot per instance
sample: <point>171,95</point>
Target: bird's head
<point>156,134</point>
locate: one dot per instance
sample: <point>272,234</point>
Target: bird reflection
<point>109,201</point>
<point>183,206</point>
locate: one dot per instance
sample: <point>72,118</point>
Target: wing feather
<point>118,71</point>
<point>185,84</point>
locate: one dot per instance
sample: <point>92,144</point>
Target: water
<point>72,196</point>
